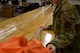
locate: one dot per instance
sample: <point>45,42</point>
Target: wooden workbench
<point>28,25</point>
<point>9,11</point>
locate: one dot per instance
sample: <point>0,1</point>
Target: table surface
<point>28,25</point>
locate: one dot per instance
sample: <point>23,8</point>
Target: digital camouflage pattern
<point>66,27</point>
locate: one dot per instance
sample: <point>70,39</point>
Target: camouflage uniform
<point>67,31</point>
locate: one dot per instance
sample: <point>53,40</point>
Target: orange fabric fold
<point>21,45</point>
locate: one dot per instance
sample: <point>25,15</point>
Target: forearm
<point>61,41</point>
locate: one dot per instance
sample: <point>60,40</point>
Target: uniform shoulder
<point>67,6</point>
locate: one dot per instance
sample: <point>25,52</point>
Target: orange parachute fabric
<point>21,45</point>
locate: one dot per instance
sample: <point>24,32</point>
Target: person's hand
<point>43,27</point>
<point>52,48</point>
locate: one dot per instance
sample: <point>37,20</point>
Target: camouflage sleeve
<point>67,26</point>
<point>50,27</point>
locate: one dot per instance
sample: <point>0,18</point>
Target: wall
<point>35,1</point>
<point>76,2</point>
